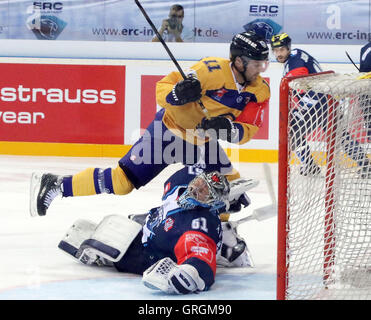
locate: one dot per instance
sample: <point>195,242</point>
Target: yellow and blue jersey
<point>221,96</point>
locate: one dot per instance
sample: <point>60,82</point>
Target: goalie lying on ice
<point>176,246</point>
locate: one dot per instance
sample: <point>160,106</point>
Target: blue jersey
<point>186,236</point>
<point>365,58</point>
<point>300,63</point>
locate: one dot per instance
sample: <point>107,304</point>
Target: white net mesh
<point>329,188</point>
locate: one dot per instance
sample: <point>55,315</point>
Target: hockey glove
<point>224,128</point>
<point>187,90</point>
<point>236,205</point>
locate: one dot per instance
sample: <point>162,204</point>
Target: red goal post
<point>324,224</point>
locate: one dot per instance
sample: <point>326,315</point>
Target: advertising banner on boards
<point>62,103</point>
<point>307,22</point>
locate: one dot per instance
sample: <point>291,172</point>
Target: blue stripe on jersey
<point>169,213</point>
<point>178,285</point>
<point>96,183</point>
<point>108,180</point>
<point>231,98</point>
<point>67,186</point>
<point>240,130</point>
<point>173,190</point>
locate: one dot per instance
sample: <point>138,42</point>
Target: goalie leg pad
<point>111,239</point>
<point>167,276</point>
<point>234,251</point>
<point>76,235</point>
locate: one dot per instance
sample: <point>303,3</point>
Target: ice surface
<point>32,267</point>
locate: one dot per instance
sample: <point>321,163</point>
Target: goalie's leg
<point>99,244</point>
<point>234,251</point>
<point>76,235</point>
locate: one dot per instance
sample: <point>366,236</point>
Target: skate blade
<point>34,190</point>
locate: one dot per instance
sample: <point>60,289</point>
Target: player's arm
<point>203,259</point>
<point>250,120</point>
<point>300,71</point>
<point>173,90</point>
<point>297,66</point>
<point>194,270</point>
<point>246,125</point>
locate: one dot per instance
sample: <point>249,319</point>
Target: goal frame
<point>283,214</point>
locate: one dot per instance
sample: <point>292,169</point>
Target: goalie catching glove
<point>223,128</point>
<point>187,90</point>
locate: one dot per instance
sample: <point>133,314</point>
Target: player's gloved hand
<point>187,90</point>
<point>236,205</point>
<point>224,128</point>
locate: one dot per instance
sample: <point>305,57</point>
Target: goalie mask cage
<point>324,219</point>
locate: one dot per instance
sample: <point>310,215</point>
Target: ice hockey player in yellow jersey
<point>235,97</point>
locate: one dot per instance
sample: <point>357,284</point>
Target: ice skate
<point>310,170</point>
<point>44,188</point>
<point>365,171</point>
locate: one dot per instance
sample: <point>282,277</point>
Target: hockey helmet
<point>249,44</point>
<point>208,190</point>
<point>261,28</point>
<point>281,40</point>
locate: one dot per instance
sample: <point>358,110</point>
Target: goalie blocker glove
<point>169,277</point>
<point>185,91</point>
<point>221,128</point>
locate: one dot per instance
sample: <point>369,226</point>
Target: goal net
<point>324,221</point>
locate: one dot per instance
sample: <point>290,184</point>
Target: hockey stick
<point>268,178</point>
<point>266,212</point>
<point>168,52</point>
<point>351,60</point>
<point>259,214</point>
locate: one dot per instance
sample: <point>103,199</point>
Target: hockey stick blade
<point>34,188</point>
<point>266,212</point>
<point>260,214</point>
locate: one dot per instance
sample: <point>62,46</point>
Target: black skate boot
<point>44,188</point>
<point>364,171</point>
<point>310,170</point>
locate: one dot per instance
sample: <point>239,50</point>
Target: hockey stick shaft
<point>265,212</point>
<point>259,214</point>
<point>351,60</point>
<point>268,178</point>
<point>168,51</point>
<point>161,39</point>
